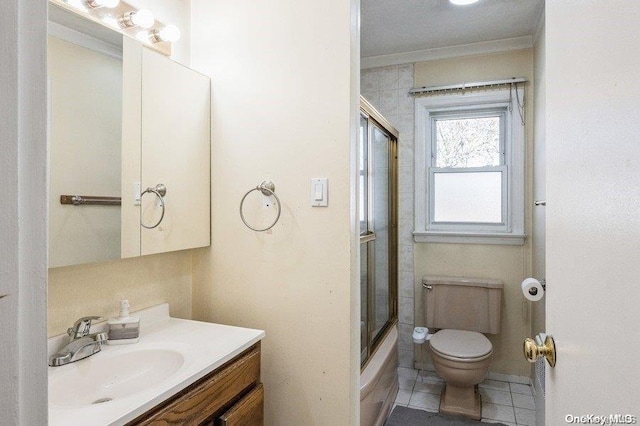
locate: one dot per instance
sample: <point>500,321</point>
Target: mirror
<point>85,133</point>
<point>123,118</point>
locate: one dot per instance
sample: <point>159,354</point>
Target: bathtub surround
<point>386,88</point>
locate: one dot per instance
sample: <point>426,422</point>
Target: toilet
<point>461,308</point>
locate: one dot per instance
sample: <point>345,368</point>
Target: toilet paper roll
<point>532,289</point>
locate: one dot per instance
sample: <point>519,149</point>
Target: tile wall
<point>387,89</point>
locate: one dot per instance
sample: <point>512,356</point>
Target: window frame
<point>475,104</point>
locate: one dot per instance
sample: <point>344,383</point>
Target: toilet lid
<point>460,343</point>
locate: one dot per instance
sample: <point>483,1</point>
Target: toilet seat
<point>461,345</point>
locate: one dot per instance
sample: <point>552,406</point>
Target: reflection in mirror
<point>85,96</point>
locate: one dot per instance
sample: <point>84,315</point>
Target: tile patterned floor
<point>502,402</point>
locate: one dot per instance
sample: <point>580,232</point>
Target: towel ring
<point>267,188</point>
<point>160,191</point>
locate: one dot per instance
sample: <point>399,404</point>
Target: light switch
<point>136,193</point>
<point>319,192</point>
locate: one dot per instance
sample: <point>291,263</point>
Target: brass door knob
<point>532,351</point>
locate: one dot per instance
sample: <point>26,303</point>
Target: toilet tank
<point>462,303</point>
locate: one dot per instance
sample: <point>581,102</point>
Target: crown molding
<point>481,48</point>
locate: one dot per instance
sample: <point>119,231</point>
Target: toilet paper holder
<point>543,283</point>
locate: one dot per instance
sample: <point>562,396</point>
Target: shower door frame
<point>375,119</point>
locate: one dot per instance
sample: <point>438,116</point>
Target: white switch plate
<point>137,193</point>
<point>319,192</point>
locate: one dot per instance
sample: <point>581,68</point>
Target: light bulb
<point>103,3</point>
<point>463,2</point>
<point>170,34</point>
<point>138,18</point>
<point>143,19</point>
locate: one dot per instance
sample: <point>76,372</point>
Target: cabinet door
<point>206,399</point>
<point>249,411</point>
<point>175,135</point>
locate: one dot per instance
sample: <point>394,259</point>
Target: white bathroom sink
<point>122,382</point>
<point>103,378</point>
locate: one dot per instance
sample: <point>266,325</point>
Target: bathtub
<point>379,381</point>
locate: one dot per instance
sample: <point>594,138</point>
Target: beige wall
<point>95,289</point>
<point>511,264</point>
<point>284,88</point>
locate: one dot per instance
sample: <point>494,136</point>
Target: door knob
<point>532,351</point>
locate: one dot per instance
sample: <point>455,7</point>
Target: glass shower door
<point>377,216</point>
<point>380,221</point>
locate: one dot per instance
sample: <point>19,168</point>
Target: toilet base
<point>464,401</point>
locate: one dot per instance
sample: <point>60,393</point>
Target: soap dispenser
<point>124,329</point>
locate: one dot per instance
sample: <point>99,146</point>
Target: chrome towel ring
<point>267,188</point>
<point>160,191</point>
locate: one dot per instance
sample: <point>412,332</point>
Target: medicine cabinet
<point>125,122</point>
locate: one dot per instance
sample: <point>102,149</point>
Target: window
<point>470,168</point>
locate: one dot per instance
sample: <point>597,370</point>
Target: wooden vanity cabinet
<point>232,395</point>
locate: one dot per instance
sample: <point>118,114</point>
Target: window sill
<point>469,238</point>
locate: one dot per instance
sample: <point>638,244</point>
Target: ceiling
<point>399,26</point>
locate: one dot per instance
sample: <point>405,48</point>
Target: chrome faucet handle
<point>101,338</point>
<point>81,327</point>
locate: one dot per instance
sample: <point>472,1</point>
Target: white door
<point>593,207</point>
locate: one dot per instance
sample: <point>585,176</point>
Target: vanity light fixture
<point>111,21</point>
<point>143,36</point>
<point>169,34</point>
<point>463,2</point>
<point>95,4</point>
<point>142,18</point>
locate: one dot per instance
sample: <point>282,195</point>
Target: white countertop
<point>204,346</point>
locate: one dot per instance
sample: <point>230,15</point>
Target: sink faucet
<point>81,343</point>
